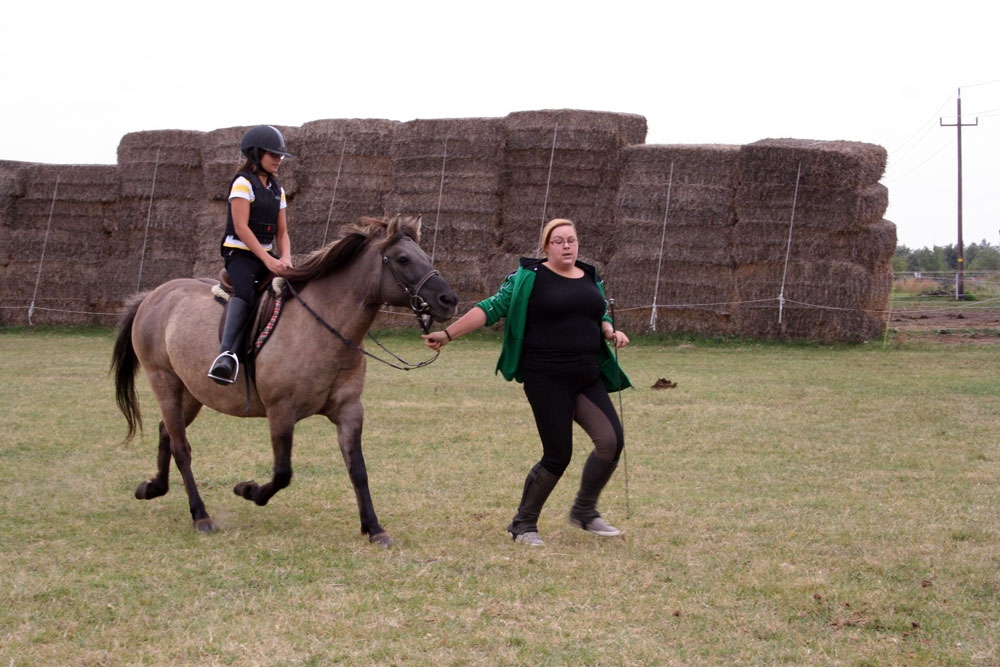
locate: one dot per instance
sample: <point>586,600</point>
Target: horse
<point>172,333</point>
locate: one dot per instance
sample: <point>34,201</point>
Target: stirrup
<point>218,362</point>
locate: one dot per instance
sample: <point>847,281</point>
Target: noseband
<point>418,304</point>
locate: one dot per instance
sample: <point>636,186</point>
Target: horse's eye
<point>403,259</point>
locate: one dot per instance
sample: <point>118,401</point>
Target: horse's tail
<point>125,365</point>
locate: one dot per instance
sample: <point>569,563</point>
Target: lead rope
<point>621,411</point>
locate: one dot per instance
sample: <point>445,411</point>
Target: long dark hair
<point>253,166</point>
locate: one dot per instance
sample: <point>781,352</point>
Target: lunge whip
<point>621,410</point>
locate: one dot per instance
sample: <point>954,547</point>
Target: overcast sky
<point>78,76</point>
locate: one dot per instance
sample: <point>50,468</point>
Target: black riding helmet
<point>263,138</point>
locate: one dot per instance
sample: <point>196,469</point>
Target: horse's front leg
<point>349,426</point>
<point>282,430</point>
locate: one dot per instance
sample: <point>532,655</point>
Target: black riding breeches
<point>574,394</point>
<point>245,271</point>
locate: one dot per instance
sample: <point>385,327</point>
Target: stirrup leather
<point>215,364</point>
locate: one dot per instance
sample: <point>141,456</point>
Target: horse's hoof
<point>245,489</point>
<point>205,525</point>
<point>147,490</point>
<point>383,539</point>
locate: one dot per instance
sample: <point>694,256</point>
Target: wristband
<point>448,334</point>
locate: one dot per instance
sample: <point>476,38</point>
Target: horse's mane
<point>341,252</point>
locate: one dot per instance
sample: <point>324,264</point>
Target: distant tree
<point>928,259</point>
<point>977,257</point>
<point>982,257</point>
<point>950,253</point>
<point>901,259</point>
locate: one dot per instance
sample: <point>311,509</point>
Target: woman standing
<point>554,332</point>
<point>255,229</point>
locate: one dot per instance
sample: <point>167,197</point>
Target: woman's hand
<point>276,265</point>
<point>436,339</point>
<point>618,339</point>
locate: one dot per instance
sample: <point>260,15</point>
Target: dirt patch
<point>955,325</point>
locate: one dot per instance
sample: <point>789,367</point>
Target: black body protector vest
<point>263,209</point>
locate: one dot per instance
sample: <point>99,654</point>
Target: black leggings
<point>245,271</point>
<point>560,397</point>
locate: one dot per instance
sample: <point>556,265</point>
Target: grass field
<point>783,504</point>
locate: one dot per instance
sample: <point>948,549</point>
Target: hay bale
<point>693,294</point>
<point>96,184</point>
<point>563,164</point>
<point>332,137</point>
<point>650,165</point>
<point>824,301</point>
<point>832,209</point>
<point>172,158</point>
<point>596,130</point>
<point>345,171</point>
<point>824,164</point>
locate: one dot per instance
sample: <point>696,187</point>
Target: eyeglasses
<point>276,156</point>
<point>558,240</point>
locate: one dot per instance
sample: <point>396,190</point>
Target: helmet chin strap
<point>255,158</point>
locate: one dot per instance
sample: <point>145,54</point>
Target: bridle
<point>418,304</point>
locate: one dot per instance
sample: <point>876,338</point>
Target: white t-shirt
<point>242,189</point>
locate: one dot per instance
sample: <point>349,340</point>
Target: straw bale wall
<point>780,238</point>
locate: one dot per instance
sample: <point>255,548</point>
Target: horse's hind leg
<point>179,409</point>
<point>158,485</point>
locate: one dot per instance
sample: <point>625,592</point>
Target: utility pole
<point>959,276</point>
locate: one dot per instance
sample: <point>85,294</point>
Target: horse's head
<point>409,278</point>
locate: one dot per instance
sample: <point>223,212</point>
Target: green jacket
<point>511,302</point>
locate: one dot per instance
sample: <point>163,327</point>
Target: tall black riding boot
<point>537,487</point>
<point>226,366</point>
<point>596,473</point>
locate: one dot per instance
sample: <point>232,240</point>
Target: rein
<point>419,306</point>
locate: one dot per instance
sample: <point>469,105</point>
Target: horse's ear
<point>392,227</point>
<point>416,227</point>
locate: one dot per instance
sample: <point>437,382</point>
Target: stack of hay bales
<point>838,247</point>
<point>485,187</point>
<point>449,171</point>
<point>562,164</point>
<point>341,170</point>
<point>158,214</point>
<point>56,241</point>
<point>678,199</point>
